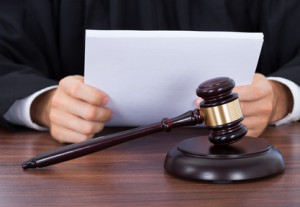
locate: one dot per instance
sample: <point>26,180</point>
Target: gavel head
<point>221,111</point>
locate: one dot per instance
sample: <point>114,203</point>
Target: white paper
<point>150,75</point>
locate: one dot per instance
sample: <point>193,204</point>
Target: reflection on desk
<point>132,174</point>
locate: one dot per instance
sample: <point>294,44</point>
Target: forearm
<point>40,108</point>
<point>282,101</point>
<point>290,93</point>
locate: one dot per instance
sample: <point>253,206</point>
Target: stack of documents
<point>150,75</point>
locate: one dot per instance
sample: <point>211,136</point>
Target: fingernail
<point>105,100</point>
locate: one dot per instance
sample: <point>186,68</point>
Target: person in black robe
<point>42,45</point>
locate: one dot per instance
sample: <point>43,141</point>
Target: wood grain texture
<point>132,174</point>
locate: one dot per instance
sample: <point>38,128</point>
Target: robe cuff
<point>19,111</point>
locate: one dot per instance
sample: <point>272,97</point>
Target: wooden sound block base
<point>249,158</point>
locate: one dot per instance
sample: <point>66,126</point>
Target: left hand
<point>263,102</point>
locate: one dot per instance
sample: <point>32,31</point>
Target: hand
<point>74,111</point>
<point>263,102</point>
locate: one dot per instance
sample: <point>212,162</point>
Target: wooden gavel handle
<point>93,145</point>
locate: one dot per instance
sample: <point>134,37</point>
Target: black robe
<point>42,41</point>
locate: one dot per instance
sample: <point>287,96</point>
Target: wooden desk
<point>132,174</point>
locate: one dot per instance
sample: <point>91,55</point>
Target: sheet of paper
<point>150,75</point>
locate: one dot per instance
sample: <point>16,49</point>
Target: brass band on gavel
<point>222,114</point>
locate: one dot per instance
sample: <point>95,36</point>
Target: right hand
<point>74,111</point>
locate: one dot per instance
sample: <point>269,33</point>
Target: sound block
<point>249,158</point>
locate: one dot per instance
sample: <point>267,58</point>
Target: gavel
<point>220,110</point>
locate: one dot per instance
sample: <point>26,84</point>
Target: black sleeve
<point>291,70</point>
<point>24,66</point>
<point>280,23</point>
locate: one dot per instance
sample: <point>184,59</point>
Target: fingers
<point>65,135</point>
<point>74,123</point>
<point>198,100</point>
<point>259,89</point>
<point>253,129</point>
<point>257,108</point>
<point>256,102</point>
<point>80,108</point>
<point>77,111</point>
<point>75,87</point>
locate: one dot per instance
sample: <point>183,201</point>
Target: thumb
<point>198,100</point>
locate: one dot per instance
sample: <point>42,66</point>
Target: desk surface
<point>132,174</point>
